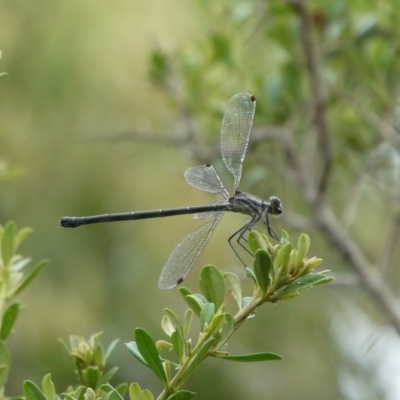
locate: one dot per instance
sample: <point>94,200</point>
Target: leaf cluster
<point>12,282</point>
<point>279,272</point>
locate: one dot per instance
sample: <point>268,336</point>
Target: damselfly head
<point>275,207</point>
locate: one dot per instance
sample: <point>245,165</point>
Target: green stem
<point>177,380</point>
<point>180,376</point>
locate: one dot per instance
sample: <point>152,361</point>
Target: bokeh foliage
<point>105,105</point>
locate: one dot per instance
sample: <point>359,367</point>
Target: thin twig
<point>351,253</point>
<point>392,236</point>
<point>318,97</point>
<point>323,215</point>
<point>353,199</point>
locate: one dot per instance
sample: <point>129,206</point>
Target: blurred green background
<point>89,86</point>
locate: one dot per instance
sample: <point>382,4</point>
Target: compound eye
<point>275,205</point>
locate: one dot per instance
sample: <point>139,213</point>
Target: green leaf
<point>184,291</point>
<point>9,318</point>
<point>8,242</point>
<point>235,287</point>
<point>95,339</point>
<point>182,395</point>
<point>178,327</point>
<point>175,321</point>
<point>193,303</point>
<point>172,316</point>
<point>108,376</point>
<point>106,388</point>
<point>262,266</point>
<point>282,256</point>
<point>303,283</point>
<point>21,235</point>
<point>121,388</point>
<point>284,237</point>
<point>136,393</point>
<point>256,242</point>
<point>227,328</point>
<point>167,326</point>
<point>196,304</point>
<point>303,245</point>
<point>92,376</point>
<point>37,269</point>
<point>5,363</point>
<point>326,280</point>
<point>214,323</point>
<point>79,394</point>
<point>133,349</point>
<point>48,388</point>
<point>254,357</point>
<point>32,391</point>
<point>167,369</point>
<point>212,285</point>
<point>187,323</point>
<point>98,355</point>
<point>207,316</point>
<point>288,296</point>
<point>178,343</point>
<point>148,350</point>
<point>313,263</point>
<point>66,396</point>
<point>89,394</point>
<point>250,274</point>
<point>113,395</point>
<point>110,349</point>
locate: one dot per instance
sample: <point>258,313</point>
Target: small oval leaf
<point>304,283</point>
<point>182,395</point>
<point>136,393</point>
<point>178,343</point>
<point>235,287</point>
<point>92,376</point>
<point>48,388</point>
<point>256,242</point>
<point>262,267</point>
<point>148,350</point>
<point>227,328</point>
<point>303,244</point>
<point>282,256</point>
<point>212,285</point>
<point>9,318</point>
<point>37,269</point>
<point>32,391</point>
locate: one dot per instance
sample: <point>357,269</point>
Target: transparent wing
<point>205,178</point>
<point>186,253</point>
<point>235,133</point>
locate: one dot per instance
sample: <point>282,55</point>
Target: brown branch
<point>318,97</point>
<point>391,239</point>
<point>351,253</point>
<point>324,218</point>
